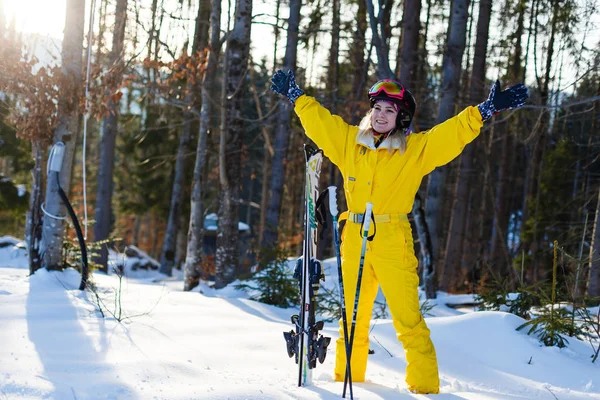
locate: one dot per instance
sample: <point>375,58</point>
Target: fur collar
<point>366,139</point>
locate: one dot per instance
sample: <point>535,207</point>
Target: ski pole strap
<point>369,238</point>
<point>321,212</point>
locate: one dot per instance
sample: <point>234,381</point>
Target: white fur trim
<point>366,139</point>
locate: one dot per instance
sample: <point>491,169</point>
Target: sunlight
<point>44,17</point>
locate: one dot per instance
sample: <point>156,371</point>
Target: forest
<point>175,146</point>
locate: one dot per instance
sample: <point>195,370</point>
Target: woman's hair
<point>365,132</point>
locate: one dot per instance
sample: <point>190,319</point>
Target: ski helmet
<point>395,92</point>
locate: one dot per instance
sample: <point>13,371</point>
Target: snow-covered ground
<point>210,344</point>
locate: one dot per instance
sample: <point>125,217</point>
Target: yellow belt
<point>379,218</point>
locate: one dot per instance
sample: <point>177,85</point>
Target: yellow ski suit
<point>390,181</point>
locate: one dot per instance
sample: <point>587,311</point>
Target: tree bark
<point>359,75</point>
<point>499,251</point>
<point>110,129</point>
<point>268,151</point>
<point>539,148</point>
<point>238,49</point>
<point>328,170</point>
<point>137,225</point>
<point>169,249</point>
<point>99,56</point>
<point>282,135</point>
<point>411,25</point>
<point>195,246</point>
<point>2,20</point>
<point>456,235</point>
<point>201,36</point>
<point>451,72</point>
<point>33,229</point>
<point>383,62</point>
<point>428,274</point>
<point>66,132</point>
<point>593,281</point>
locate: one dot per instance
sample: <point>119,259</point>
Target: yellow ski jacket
<point>389,180</point>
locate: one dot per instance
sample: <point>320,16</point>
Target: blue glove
<point>500,100</point>
<point>285,84</point>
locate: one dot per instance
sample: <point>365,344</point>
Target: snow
<point>218,344</point>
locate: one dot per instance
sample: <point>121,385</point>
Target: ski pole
<point>334,213</point>
<point>365,235</point>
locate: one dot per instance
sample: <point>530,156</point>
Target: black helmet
<point>394,91</point>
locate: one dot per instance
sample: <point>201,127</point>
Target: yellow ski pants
<point>391,263</point>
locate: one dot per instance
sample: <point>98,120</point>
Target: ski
<point>305,343</point>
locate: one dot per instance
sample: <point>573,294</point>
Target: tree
<point>411,24</point>
<point>2,20</point>
<point>593,282</point>
<point>282,135</point>
<point>167,258</point>
<point>500,257</point>
<point>358,64</point>
<point>451,72</point>
<point>380,41</point>
<point>329,173</point>
<point>230,154</point>
<point>192,271</point>
<point>110,129</point>
<point>66,132</point>
<point>456,233</point>
<point>531,199</point>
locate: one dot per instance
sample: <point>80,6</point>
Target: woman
<point>382,164</point>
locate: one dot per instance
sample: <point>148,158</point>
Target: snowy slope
<point>220,345</point>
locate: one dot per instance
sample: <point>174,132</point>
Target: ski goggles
<point>389,87</point>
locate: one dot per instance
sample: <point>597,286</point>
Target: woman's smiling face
<point>383,117</point>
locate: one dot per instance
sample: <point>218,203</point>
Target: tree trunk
<point>593,283</point>
<point>33,230</point>
<point>99,56</point>
<point>539,149</point>
<point>383,62</point>
<point>268,151</point>
<point>66,132</point>
<point>500,258</point>
<point>110,129</point>
<point>282,135</point>
<point>137,225</point>
<point>478,233</point>
<point>238,49</point>
<point>456,235</point>
<point>411,25</point>
<point>2,20</point>
<point>195,245</point>
<point>428,274</point>
<point>181,242</point>
<point>359,74</point>
<point>178,195</point>
<point>167,257</point>
<point>152,39</point>
<point>451,72</point>
<point>201,36</point>
<point>328,170</point>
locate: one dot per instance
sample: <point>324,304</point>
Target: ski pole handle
<point>56,157</point>
<point>333,201</point>
<point>367,219</point>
